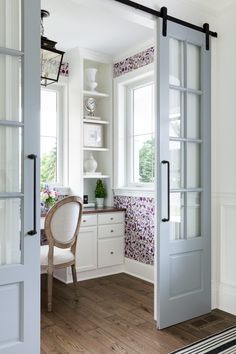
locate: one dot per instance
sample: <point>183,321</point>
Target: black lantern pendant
<point>51,58</point>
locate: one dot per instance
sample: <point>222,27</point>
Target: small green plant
<point>100,190</point>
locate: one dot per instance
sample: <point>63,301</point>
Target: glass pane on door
<point>193,215</point>
<point>10,24</point>
<point>193,67</point>
<point>10,159</point>
<point>176,164</point>
<point>10,88</point>
<point>193,165</point>
<point>10,236</point>
<point>176,216</point>
<point>176,114</point>
<point>194,116</point>
<point>176,62</point>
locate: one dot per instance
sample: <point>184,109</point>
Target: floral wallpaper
<point>139,227</point>
<point>64,71</point>
<point>135,62</point>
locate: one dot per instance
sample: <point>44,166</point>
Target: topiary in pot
<point>100,193</point>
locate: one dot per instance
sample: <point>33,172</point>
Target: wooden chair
<point>62,225</point>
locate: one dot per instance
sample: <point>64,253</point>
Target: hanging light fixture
<point>51,58</point>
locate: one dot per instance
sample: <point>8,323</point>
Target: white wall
<point>224,164</point>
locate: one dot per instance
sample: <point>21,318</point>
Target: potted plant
<point>100,193</point>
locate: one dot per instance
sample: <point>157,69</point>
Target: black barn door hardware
<point>163,14</point>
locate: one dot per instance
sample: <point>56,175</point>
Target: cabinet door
<point>110,252</point>
<point>86,250</point>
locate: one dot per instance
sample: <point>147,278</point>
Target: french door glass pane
<point>10,236</point>
<point>176,114</point>
<point>176,216</point>
<point>10,24</point>
<point>193,165</point>
<point>193,215</point>
<point>193,67</point>
<point>10,91</point>
<point>176,164</point>
<point>194,116</point>
<point>10,159</point>
<point>176,62</point>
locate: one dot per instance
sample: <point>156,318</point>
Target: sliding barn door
<point>19,145</point>
<point>183,175</point>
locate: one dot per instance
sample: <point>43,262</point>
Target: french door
<point>183,175</point>
<point>19,146</point>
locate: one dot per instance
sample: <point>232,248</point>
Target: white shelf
<point>94,149</point>
<point>95,94</point>
<point>95,121</point>
<point>95,177</point>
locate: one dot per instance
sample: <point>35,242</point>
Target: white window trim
<point>121,84</point>
<point>62,131</point>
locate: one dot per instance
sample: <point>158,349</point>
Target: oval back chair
<point>62,225</point>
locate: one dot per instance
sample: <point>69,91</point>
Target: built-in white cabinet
<point>86,251</point>
<point>100,241</point>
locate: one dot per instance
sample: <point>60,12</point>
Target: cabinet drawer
<point>111,230</point>
<point>110,252</point>
<point>89,220</point>
<point>110,218</point>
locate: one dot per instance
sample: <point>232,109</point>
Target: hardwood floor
<point>115,314</point>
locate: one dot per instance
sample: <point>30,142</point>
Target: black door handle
<point>34,231</point>
<point>164,162</point>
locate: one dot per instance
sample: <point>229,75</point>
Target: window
<point>140,133</point>
<point>51,160</point>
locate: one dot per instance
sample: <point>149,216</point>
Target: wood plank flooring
<point>115,315</point>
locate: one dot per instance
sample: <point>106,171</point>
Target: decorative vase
<point>100,202</point>
<point>90,165</point>
<point>90,78</point>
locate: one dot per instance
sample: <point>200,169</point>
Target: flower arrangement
<point>48,197</point>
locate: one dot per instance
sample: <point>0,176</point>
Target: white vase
<point>100,202</point>
<point>90,165</point>
<point>90,77</point>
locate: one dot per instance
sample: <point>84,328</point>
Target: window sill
<point>134,192</point>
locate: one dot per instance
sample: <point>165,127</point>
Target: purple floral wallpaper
<point>64,71</point>
<point>135,62</point>
<point>139,227</point>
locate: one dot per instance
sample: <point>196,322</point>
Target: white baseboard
<point>214,295</point>
<point>131,267</point>
<point>139,270</point>
<point>227,298</point>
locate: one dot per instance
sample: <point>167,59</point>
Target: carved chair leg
<point>74,275</point>
<point>50,286</point>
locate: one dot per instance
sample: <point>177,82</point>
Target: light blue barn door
<point>183,175</point>
<point>19,176</point>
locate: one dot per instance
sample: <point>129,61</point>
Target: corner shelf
<point>96,177</point>
<point>95,149</point>
<point>95,121</point>
<point>95,94</point>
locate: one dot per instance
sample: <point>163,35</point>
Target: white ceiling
<point>92,24</point>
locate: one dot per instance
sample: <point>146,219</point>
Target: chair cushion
<point>60,255</point>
